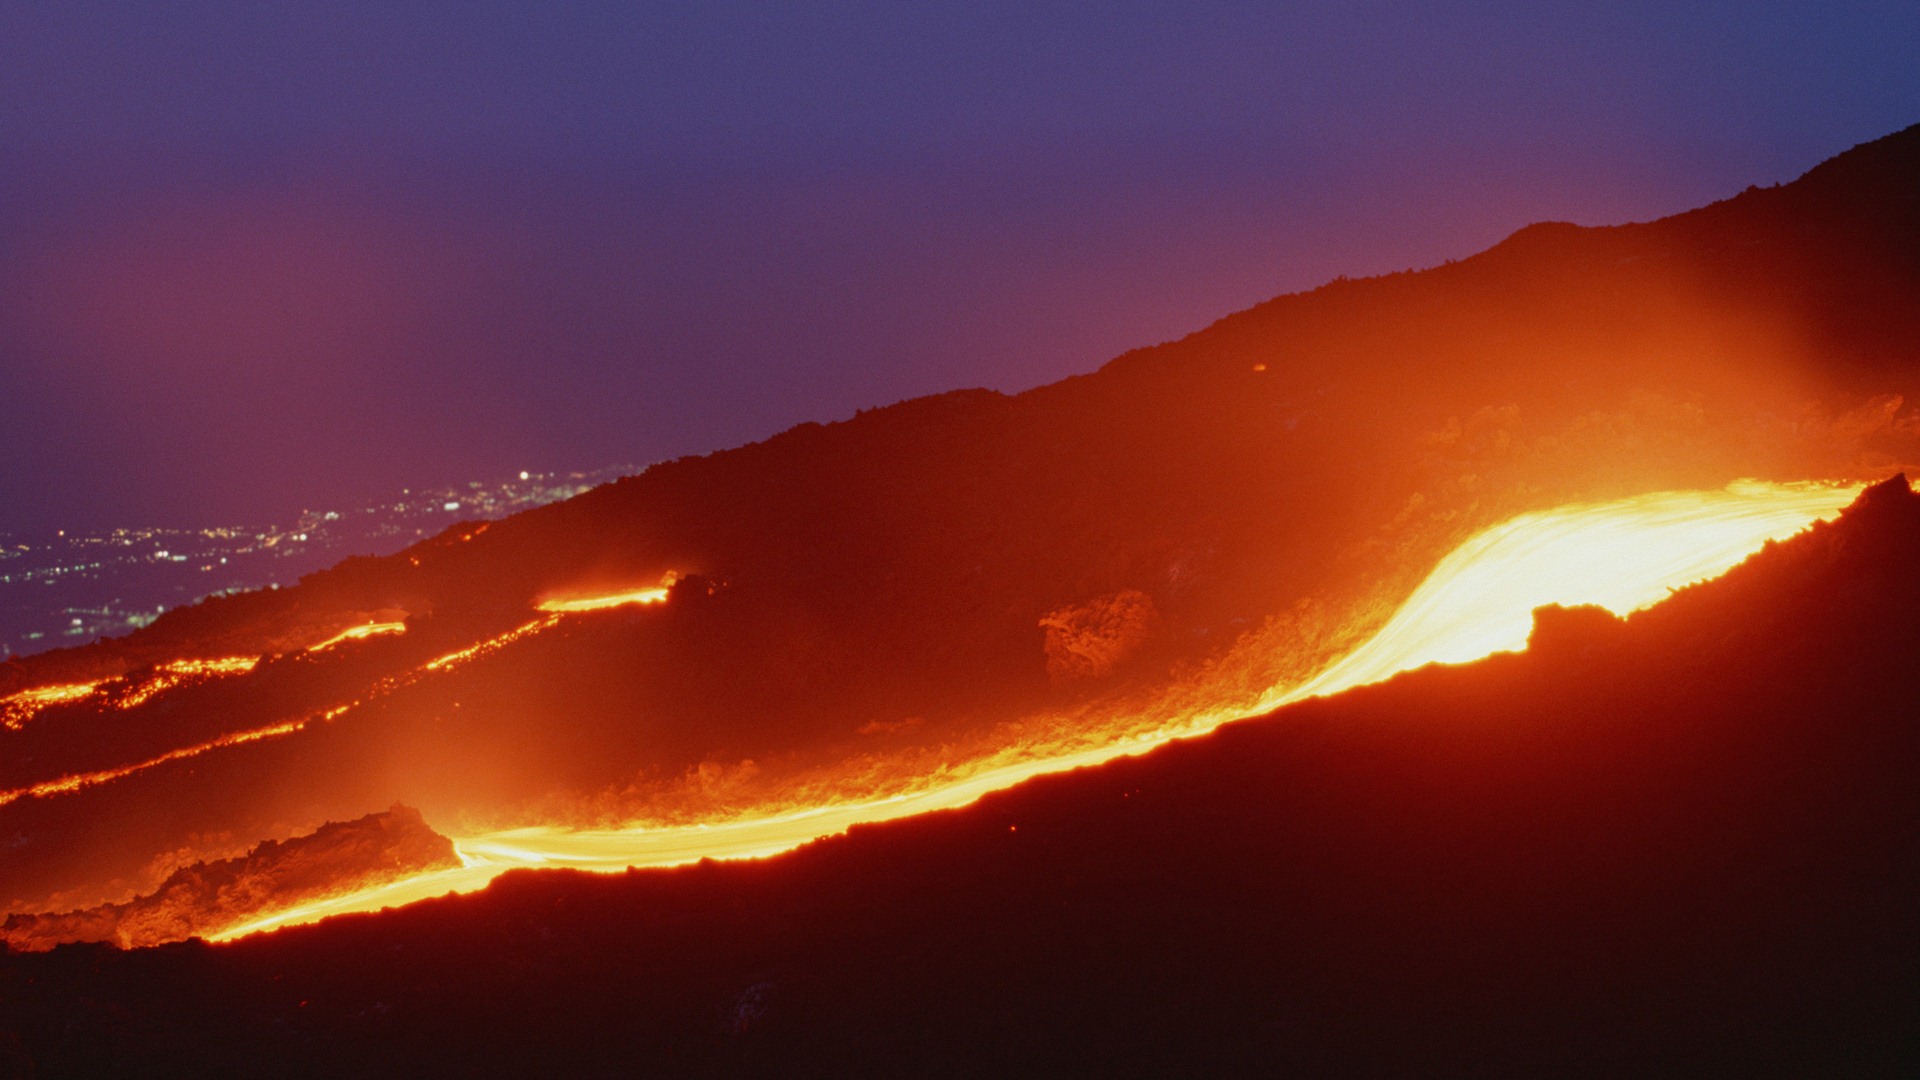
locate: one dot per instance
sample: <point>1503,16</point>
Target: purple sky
<point>260,257</point>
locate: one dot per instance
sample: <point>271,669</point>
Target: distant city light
<point>136,564</point>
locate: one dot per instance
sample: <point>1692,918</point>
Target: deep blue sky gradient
<point>260,257</point>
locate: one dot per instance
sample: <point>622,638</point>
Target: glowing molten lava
<point>125,692</point>
<point>355,633</point>
<point>76,781</point>
<point>17,709</point>
<point>1623,555</point>
<point>653,595</point>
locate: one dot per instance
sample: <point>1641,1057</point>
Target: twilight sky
<point>260,257</point>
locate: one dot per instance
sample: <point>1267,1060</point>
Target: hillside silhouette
<point>1679,843</point>
<point>915,580</point>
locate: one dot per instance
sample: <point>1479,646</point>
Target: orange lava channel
<point>655,595</point>
<point>171,674</point>
<point>492,644</point>
<point>355,633</point>
<point>76,781</point>
<point>1623,555</point>
<point>18,708</point>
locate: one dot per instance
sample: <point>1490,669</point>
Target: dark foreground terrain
<point>1681,844</point>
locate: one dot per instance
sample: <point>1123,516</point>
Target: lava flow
<point>77,781</point>
<point>655,595</point>
<point>1623,555</point>
<point>127,692</point>
<point>356,633</point>
<point>19,708</point>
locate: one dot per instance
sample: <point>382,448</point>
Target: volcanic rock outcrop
<point>211,896</point>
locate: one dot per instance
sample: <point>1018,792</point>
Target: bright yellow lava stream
<point>595,603</point>
<point>356,633</point>
<point>1623,555</point>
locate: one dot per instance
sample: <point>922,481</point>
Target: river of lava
<point>1622,555</point>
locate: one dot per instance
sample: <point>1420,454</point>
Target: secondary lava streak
<point>654,595</point>
<point>76,781</point>
<point>126,692</point>
<point>1623,555</point>
<point>19,708</point>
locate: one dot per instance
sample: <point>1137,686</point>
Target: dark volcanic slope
<point>1684,844</point>
<point>887,579</point>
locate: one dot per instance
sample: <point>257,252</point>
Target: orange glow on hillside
<point>20,708</point>
<point>355,633</point>
<point>651,595</point>
<point>76,781</point>
<point>169,675</point>
<point>1624,555</point>
<point>492,644</point>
